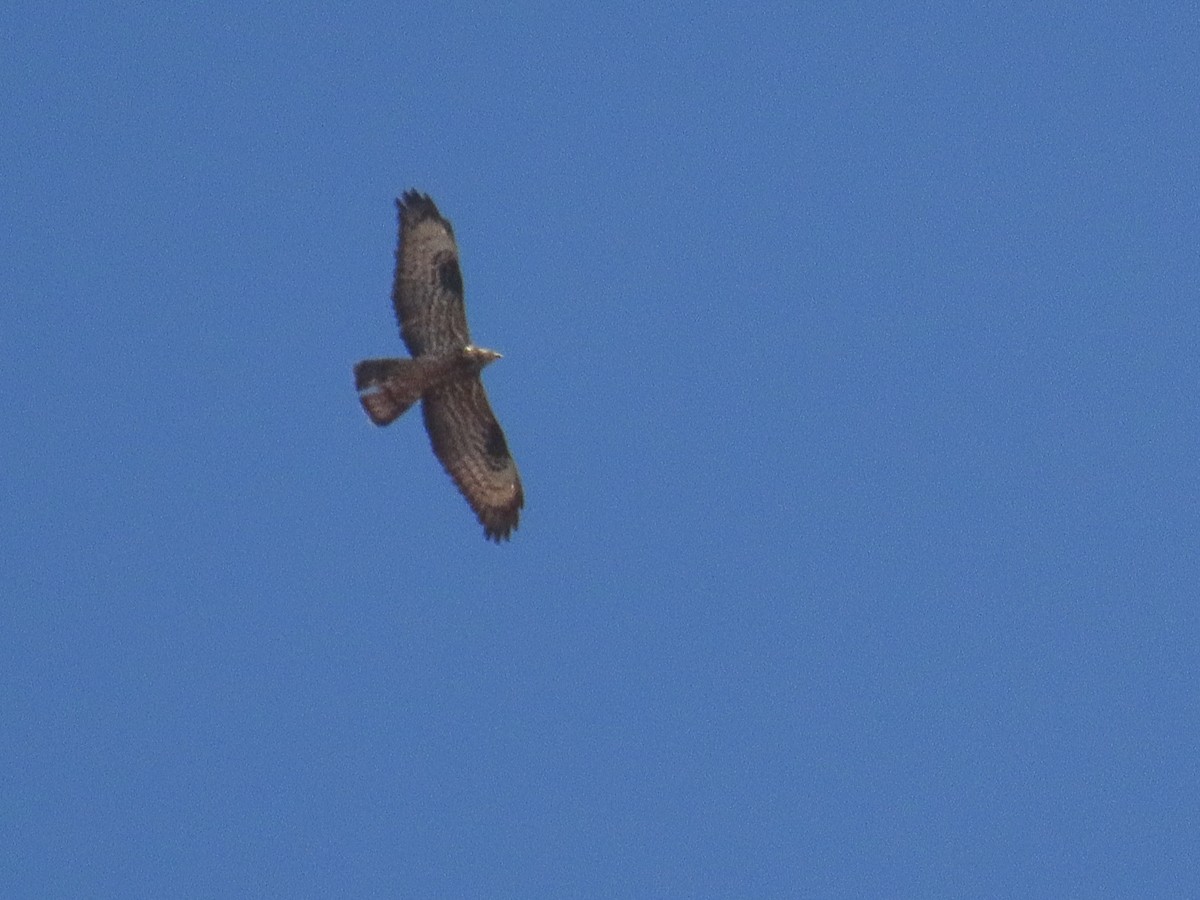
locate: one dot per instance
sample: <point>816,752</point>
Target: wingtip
<point>412,203</point>
<point>498,536</point>
<point>500,522</point>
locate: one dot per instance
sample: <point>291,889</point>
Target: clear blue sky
<point>851,368</point>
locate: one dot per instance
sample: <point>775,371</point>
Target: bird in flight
<point>444,371</point>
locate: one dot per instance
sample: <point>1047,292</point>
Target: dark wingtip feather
<point>499,533</point>
<point>500,522</point>
<point>415,206</point>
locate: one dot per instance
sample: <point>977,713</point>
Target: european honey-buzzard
<point>444,372</point>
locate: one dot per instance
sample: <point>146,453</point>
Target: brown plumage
<point>444,371</point>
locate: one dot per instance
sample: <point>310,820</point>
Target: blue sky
<point>851,368</point>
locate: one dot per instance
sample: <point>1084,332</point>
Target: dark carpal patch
<point>496,446</point>
<point>450,277</point>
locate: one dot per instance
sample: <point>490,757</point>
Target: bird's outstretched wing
<point>467,439</point>
<point>428,290</point>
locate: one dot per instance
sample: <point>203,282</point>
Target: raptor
<point>443,373</point>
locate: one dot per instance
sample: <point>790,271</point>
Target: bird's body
<point>444,372</point>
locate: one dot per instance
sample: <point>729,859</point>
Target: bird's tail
<point>388,387</point>
<point>383,389</point>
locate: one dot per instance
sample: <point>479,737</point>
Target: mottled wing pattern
<point>428,290</point>
<point>467,439</point>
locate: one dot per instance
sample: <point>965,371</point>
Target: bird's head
<point>479,356</point>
